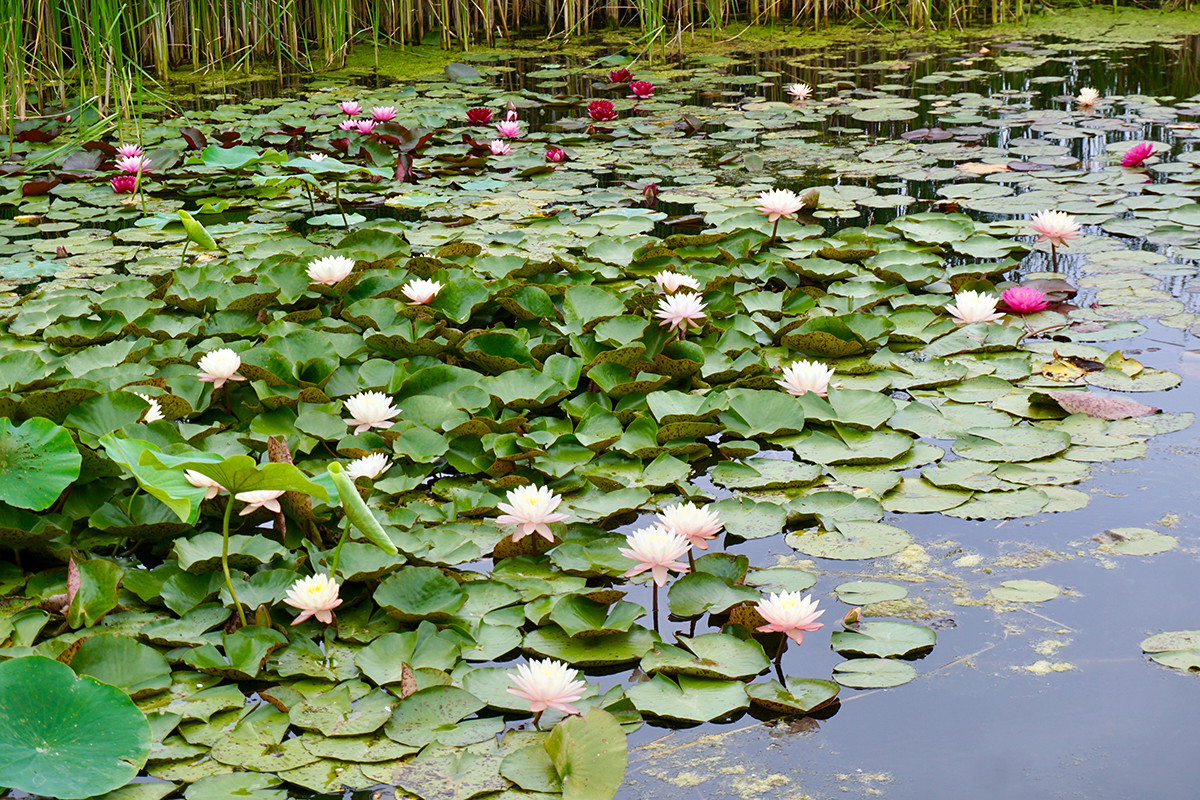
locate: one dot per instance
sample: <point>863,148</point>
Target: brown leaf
<point>66,656</point>
<point>73,581</point>
<point>976,168</point>
<point>1099,406</point>
<point>408,681</point>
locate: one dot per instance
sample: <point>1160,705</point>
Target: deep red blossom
<point>479,116</point>
<point>601,110</point>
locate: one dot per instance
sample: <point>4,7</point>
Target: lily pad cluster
<point>539,362</point>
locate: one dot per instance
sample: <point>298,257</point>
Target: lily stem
<point>654,589</point>
<point>1053,257</point>
<point>225,560</point>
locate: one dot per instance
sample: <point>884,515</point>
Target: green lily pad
<point>1025,591</point>
<point>883,639</point>
<point>873,673</point>
<point>1176,649</point>
<point>852,541</point>
<point>38,460</point>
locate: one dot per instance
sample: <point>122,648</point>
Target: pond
<point>997,493</point>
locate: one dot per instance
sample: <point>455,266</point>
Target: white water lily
<point>260,498</point>
<point>219,366</point>
<point>697,525</point>
<point>1087,97</point>
<point>972,307</point>
<point>548,684</point>
<point>799,91</point>
<point>370,410</point>
<point>779,203</point>
<point>330,270</point>
<point>369,466</point>
<point>531,510</point>
<point>806,376</point>
<point>315,596</point>
<point>421,292</point>
<point>670,282</point>
<point>154,413</point>
<point>657,549</point>
<point>681,311</point>
<point>790,614</point>
<point>201,481</point>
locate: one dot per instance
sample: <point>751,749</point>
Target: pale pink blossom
<point>548,684</point>
<point>681,311</point>
<point>499,147</point>
<point>129,151</point>
<point>421,292</point>
<point>670,282</point>
<point>1056,227</point>
<point>315,596</point>
<point>134,165</point>
<point>656,549</point>
<point>364,125</point>
<point>348,125</point>
<point>350,108</point>
<point>509,129</point>
<point>218,366</point>
<point>330,270</point>
<point>697,525</point>
<point>383,113</point>
<point>370,410</point>
<point>260,498</point>
<point>1087,97</point>
<point>790,614</point>
<point>779,203</point>
<point>799,91</point>
<point>531,510</point>
<point>201,481</point>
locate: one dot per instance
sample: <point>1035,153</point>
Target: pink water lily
<point>348,125</point>
<point>790,614</point>
<point>641,89</point>
<point>135,165</point>
<point>364,125</point>
<point>350,108</point>
<point>201,481</point>
<point>1135,155</point>
<point>123,184</point>
<point>129,151</point>
<point>602,110</point>
<point>383,113</point>
<point>697,525</point>
<point>556,155</point>
<point>670,282</point>
<point>799,91</point>
<point>681,311</point>
<point>479,116</point>
<point>509,129</point>
<point>370,410</point>
<point>1023,299</point>
<point>547,684</point>
<point>499,147</point>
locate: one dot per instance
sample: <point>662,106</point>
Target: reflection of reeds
<point>97,47</point>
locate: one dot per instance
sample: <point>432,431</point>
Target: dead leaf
<point>978,168</point>
<point>1099,406</point>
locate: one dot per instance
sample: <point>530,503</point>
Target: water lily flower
<point>134,165</point>
<point>806,376</point>
<point>531,509</point>
<point>556,155</point>
<point>1023,299</point>
<point>364,125</point>
<point>348,125</point>
<point>499,147</point>
<point>261,498</point>
<point>370,410</point>
<point>154,413</point>
<point>330,270</point>
<point>123,184</point>
<point>779,203</point>
<point>1087,97</point>
<point>641,89</point>
<point>853,617</point>
<point>620,75</point>
<point>383,113</point>
<point>1056,227</point>
<point>789,613</point>
<point>479,116</point>
<point>657,549</point>
<point>697,525</point>
<point>510,112</point>
<point>315,596</point>
<point>201,481</point>
<point>218,366</point>
<point>369,466</point>
<point>1135,155</point>
<point>799,91</point>
<point>602,110</point>
<point>129,151</point>
<point>972,307</point>
<point>670,282</point>
<point>681,311</point>
<point>548,684</point>
<point>317,157</point>
<point>650,195</point>
<point>509,129</point>
<point>350,108</point>
<point>421,292</point>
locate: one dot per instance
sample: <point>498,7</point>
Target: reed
<point>104,48</point>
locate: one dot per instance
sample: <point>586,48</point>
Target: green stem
<point>225,560</point>
<point>337,552</point>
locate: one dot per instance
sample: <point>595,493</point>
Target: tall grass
<point>100,48</point>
